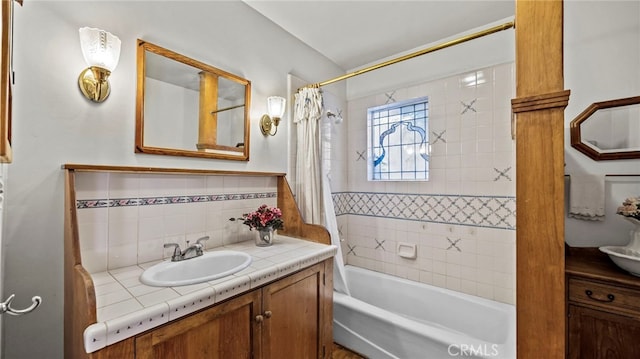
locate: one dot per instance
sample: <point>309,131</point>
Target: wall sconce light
<point>101,51</point>
<point>275,110</point>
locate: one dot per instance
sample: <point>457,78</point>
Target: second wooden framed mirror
<point>608,130</point>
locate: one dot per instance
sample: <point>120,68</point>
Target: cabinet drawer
<point>604,296</point>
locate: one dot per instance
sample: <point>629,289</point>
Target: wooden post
<point>539,119</point>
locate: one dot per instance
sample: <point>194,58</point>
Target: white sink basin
<point>207,267</point>
<point>624,257</point>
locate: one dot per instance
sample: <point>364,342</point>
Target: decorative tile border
<point>479,211</point>
<point>148,201</point>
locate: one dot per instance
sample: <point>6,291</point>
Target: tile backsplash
<point>125,218</point>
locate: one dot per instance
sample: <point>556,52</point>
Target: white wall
<point>54,124</point>
<point>601,62</point>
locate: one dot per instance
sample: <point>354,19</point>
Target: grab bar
<point>5,307</point>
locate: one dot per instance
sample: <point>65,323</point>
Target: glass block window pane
<point>398,141</point>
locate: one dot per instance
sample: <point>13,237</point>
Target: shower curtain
<point>312,187</point>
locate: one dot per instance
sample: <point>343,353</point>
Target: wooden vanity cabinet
<point>603,308</point>
<point>289,318</point>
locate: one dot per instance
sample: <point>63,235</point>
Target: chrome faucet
<point>192,251</point>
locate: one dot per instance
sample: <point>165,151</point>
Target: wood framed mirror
<point>6,69</point>
<point>608,130</point>
<point>187,108</point>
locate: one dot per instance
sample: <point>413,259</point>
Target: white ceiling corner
<point>358,32</point>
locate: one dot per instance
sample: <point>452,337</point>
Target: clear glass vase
<point>264,236</point>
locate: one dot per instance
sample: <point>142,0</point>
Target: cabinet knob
<point>259,318</point>
<point>267,314</point>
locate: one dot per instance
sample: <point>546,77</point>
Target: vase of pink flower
<point>265,220</point>
<point>630,210</point>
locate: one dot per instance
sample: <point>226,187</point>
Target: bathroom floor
<point>340,352</point>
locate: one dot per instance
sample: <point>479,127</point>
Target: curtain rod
<point>441,46</point>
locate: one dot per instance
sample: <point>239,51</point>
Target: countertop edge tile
<point>95,337</point>
<point>137,322</point>
<point>191,302</point>
<point>232,287</point>
<point>288,267</point>
<point>262,276</point>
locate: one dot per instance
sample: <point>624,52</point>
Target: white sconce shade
<point>275,111</point>
<point>101,51</point>
<point>100,48</point>
<point>275,106</point>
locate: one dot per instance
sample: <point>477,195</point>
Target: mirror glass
<point>608,130</point>
<point>188,108</point>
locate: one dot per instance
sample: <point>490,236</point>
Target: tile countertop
<point>127,307</point>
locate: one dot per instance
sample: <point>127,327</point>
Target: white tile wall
<point>471,112</point>
<point>121,236</point>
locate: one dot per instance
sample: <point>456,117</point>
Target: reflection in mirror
<point>613,129</point>
<point>608,130</point>
<point>187,108</point>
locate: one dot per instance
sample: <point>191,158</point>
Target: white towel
<point>586,197</point>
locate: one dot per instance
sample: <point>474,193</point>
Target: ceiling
<point>359,32</point>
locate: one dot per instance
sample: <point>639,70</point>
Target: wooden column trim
<point>541,102</point>
<point>541,99</point>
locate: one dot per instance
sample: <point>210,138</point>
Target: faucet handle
<point>200,245</point>
<point>200,240</point>
<point>177,253</point>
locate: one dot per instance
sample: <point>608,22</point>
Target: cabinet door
<point>293,310</point>
<point>224,331</point>
<point>595,334</point>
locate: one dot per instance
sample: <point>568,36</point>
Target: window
<point>398,141</point>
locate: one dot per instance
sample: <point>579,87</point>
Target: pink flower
<point>263,217</point>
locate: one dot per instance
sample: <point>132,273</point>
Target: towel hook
<point>5,307</point>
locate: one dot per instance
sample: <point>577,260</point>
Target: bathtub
<point>390,317</point>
